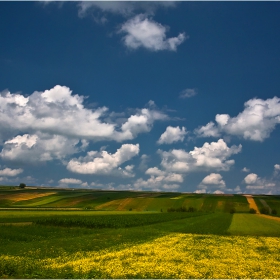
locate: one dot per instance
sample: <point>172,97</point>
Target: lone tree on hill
<point>22,185</point>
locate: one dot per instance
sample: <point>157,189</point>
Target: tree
<point>252,211</point>
<point>22,185</point>
<point>264,210</point>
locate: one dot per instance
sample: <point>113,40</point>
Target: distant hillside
<point>126,200</point>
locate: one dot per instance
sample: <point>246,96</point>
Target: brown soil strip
<point>111,204</point>
<point>271,217</point>
<point>252,203</point>
<point>125,203</point>
<point>17,224</point>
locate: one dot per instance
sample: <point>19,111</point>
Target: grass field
<point>142,243</point>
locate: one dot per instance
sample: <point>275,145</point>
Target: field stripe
<point>252,203</point>
<point>270,217</point>
<point>17,224</point>
<point>266,205</point>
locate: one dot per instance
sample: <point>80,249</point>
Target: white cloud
<point>70,181</point>
<point>124,8</point>
<point>58,112</point>
<point>277,166</point>
<point>144,162</point>
<point>187,93</point>
<point>159,180</point>
<point>256,122</point>
<point>104,162</point>
<point>237,189</point>
<point>209,130</point>
<point>172,134</point>
<point>251,178</point>
<point>218,192</point>
<point>200,191</point>
<point>144,32</point>
<point>210,156</point>
<point>139,123</point>
<point>85,185</point>
<point>255,183</point>
<point>10,172</point>
<point>245,169</point>
<point>214,180</point>
<point>41,147</point>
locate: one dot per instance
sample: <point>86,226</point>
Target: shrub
<point>274,212</point>
<point>181,209</point>
<point>191,209</point>
<point>232,211</point>
<point>264,210</point>
<point>252,211</point>
<point>22,185</point>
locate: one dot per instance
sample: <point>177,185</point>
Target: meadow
<point>139,241</point>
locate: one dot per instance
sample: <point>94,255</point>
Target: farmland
<point>132,235</point>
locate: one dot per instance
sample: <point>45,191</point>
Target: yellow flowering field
<point>175,255</point>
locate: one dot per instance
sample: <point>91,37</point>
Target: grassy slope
<point>256,225</point>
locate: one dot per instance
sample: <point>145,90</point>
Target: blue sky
<point>158,96</point>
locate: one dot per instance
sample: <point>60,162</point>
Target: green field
<point>137,238</point>
<point>119,200</point>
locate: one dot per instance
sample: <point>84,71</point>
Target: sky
<point>151,96</point>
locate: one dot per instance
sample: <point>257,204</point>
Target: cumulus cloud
<point>172,134</point>
<point>58,112</point>
<point>251,178</point>
<point>218,192</point>
<point>103,162</point>
<point>10,172</point>
<point>187,93</point>
<point>277,167</point>
<point>138,123</point>
<point>210,156</point>
<point>40,147</point>
<point>214,180</point>
<point>209,130</point>
<point>256,122</point>
<point>159,180</point>
<point>144,32</point>
<point>256,183</point>
<point>200,191</point>
<point>70,181</point>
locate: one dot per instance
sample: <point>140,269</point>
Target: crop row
<point>114,221</point>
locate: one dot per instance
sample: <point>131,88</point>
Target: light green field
<point>248,224</point>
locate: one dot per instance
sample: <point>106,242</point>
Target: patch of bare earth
<point>252,203</point>
<point>125,202</point>
<point>25,196</point>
